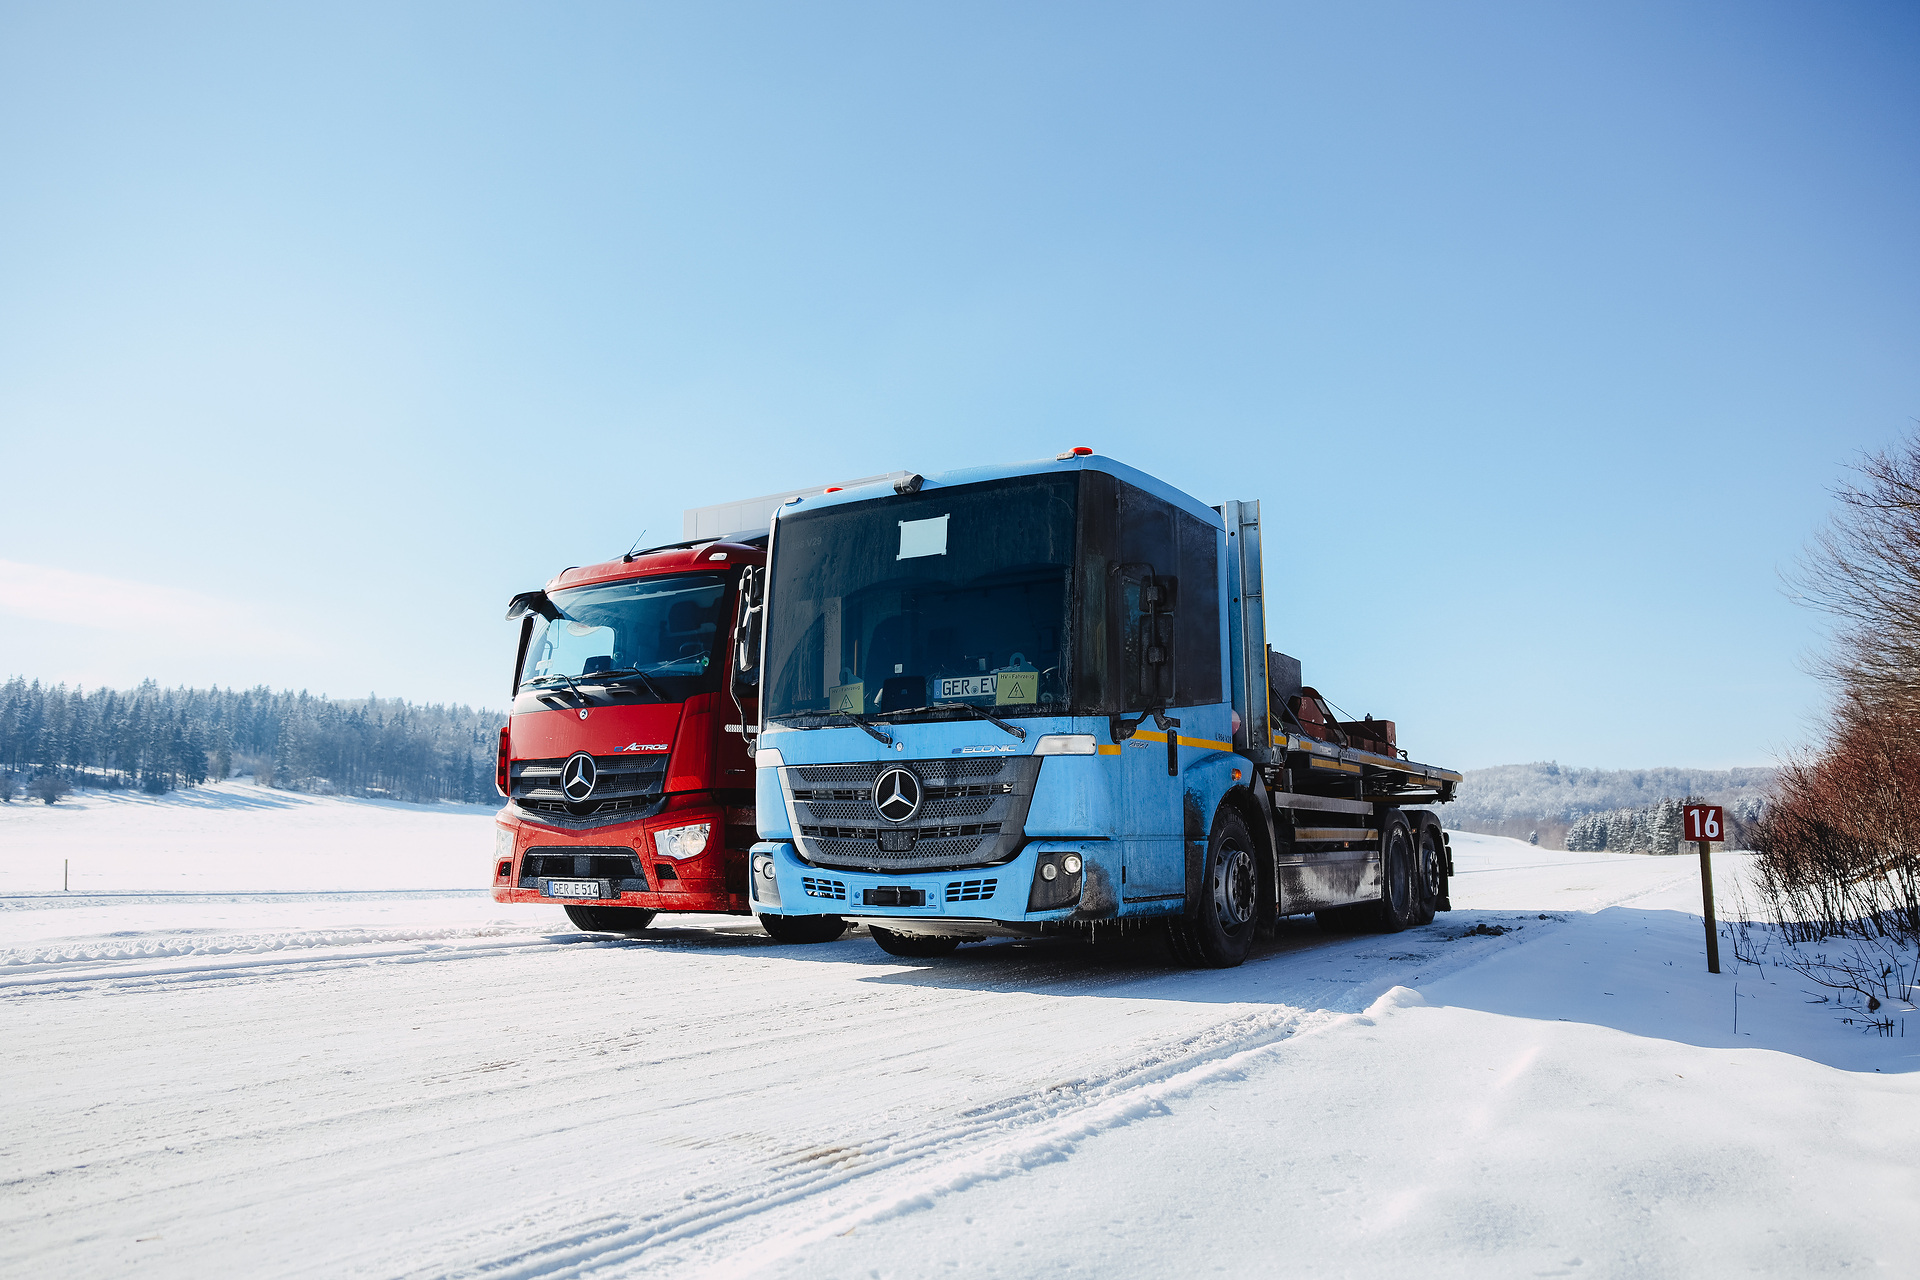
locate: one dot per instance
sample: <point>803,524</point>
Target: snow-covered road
<point>403,1085</point>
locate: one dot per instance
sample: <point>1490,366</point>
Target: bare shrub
<point>1839,847</point>
<point>50,787</point>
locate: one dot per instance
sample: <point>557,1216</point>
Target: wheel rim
<point>1430,865</point>
<point>1233,886</point>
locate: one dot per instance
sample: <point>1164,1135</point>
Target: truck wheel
<point>610,919</point>
<point>1217,931</point>
<point>1429,870</point>
<point>1399,894</point>
<point>912,946</point>
<point>797,929</point>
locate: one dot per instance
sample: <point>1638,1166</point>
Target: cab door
<point>1144,596</point>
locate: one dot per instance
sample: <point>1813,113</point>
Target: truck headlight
<point>682,842</point>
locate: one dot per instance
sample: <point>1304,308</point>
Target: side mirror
<point>531,602</point>
<point>748,627</point>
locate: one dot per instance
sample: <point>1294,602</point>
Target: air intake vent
<point>971,890</point>
<point>835,889</point>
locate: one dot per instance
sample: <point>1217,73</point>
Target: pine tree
<point>1664,834</point>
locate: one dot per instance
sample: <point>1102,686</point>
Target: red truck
<point>629,788</point>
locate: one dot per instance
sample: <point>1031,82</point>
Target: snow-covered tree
<point>1664,827</point>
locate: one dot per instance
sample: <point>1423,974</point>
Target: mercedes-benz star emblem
<point>578,777</point>
<point>896,794</point>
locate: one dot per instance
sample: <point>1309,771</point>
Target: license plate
<point>573,888</point>
<point>980,686</point>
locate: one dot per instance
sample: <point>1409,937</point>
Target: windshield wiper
<point>625,673</point>
<point>967,707</point>
<point>984,714</point>
<point>878,735</point>
<point>572,688</point>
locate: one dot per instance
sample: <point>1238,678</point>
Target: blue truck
<point>1039,699</point>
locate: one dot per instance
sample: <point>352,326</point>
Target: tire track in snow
<point>820,1192</point>
<point>1008,1135</point>
<point>282,955</point>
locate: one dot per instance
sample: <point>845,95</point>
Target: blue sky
<point>1540,330</point>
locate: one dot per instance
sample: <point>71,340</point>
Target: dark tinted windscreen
<point>953,595</point>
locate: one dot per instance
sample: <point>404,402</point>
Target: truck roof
<point>684,558</point>
<point>1066,462</point>
<point>750,516</point>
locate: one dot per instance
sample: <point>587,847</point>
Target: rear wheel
<point>799,929</point>
<point>1217,931</point>
<point>912,946</point>
<point>1429,870</point>
<point>1399,895</point>
<point>611,919</point>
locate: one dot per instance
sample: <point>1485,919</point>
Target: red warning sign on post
<point>1705,822</point>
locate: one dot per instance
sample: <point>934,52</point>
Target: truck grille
<point>972,813</point>
<point>626,787</point>
<point>616,864</point>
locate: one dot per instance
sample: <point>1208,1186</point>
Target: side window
<point>1163,592</point>
<point>1143,588</point>
<point>1197,614</point>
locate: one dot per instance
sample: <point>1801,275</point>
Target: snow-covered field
<point>276,1036</point>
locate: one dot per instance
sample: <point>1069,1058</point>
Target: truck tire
<point>800,929</point>
<point>1217,931</point>
<point>610,919</point>
<point>1429,867</point>
<point>912,946</point>
<point>1399,893</point>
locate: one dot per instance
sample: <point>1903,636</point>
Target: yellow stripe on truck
<point>1154,735</point>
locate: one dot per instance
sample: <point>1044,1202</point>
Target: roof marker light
<point>1078,451</point>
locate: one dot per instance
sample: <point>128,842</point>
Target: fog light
<point>682,842</point>
<point>1072,864</point>
<point>1048,871</point>
<point>765,884</point>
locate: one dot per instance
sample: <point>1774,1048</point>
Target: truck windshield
<point>901,603</point>
<point>661,635</point>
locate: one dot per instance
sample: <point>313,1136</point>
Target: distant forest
<point>158,739</point>
<point>1617,807</point>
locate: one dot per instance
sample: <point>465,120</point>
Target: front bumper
<point>529,853</point>
<point>975,903</point>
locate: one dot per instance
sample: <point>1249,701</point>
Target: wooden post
<point>1706,905</point>
<point>1705,823</point>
